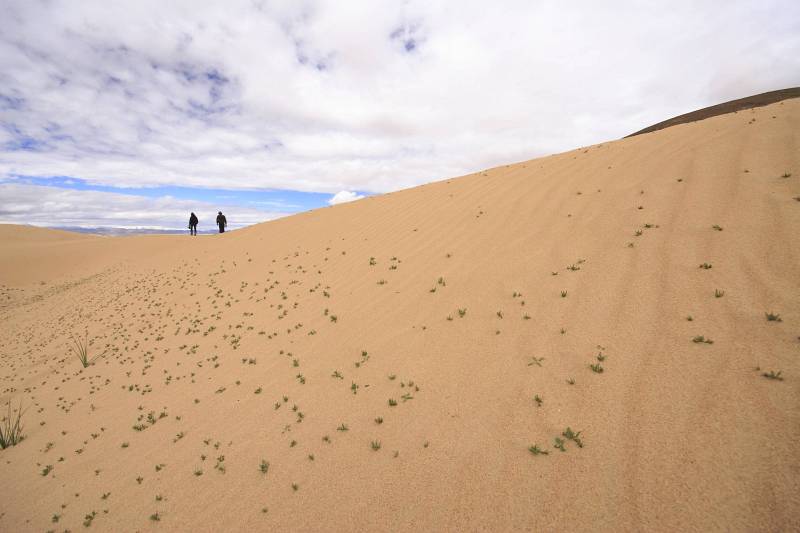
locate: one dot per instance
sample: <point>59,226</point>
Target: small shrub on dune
<point>535,450</point>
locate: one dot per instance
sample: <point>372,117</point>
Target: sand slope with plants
<point>604,339</point>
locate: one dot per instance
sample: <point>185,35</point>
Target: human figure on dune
<point>221,222</point>
<point>193,224</point>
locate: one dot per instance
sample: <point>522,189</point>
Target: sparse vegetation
<point>535,450</point>
<point>11,427</point>
<point>773,317</point>
<point>574,436</point>
<point>81,350</point>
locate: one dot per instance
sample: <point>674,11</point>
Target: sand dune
<point>484,307</point>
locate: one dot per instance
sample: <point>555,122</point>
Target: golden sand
<point>286,342</point>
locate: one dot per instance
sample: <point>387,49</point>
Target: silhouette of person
<point>193,224</point>
<point>221,222</point>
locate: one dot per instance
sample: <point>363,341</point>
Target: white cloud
<point>53,206</point>
<point>344,196</point>
<point>361,95</point>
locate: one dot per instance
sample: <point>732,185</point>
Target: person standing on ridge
<point>193,224</point>
<point>221,222</point>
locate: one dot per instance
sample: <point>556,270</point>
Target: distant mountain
<point>105,230</point>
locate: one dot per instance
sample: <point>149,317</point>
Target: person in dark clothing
<point>193,224</point>
<point>221,222</point>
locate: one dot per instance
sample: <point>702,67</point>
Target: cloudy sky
<point>133,113</point>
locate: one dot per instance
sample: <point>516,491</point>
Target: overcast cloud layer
<point>344,96</point>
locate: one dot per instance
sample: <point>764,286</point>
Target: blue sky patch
<point>270,200</point>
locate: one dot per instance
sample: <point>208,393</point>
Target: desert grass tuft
<point>11,427</point>
<point>81,350</point>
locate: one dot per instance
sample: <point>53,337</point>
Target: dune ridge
<point>417,360</point>
<point>732,106</point>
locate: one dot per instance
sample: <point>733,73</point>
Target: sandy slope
<point>225,335</point>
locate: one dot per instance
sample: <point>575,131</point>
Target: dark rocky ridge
<point>748,102</point>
